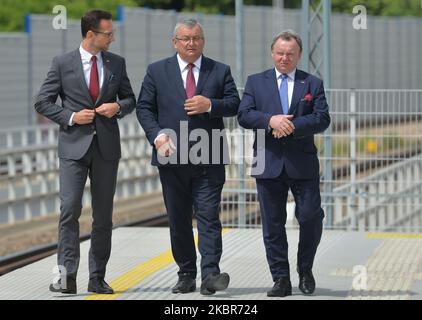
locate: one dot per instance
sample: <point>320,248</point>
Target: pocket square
<point>307,98</point>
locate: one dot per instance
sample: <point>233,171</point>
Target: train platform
<point>348,265</point>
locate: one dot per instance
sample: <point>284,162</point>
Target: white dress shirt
<point>290,83</point>
<point>86,66</point>
<point>183,65</point>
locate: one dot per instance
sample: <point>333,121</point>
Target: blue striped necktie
<point>284,95</point>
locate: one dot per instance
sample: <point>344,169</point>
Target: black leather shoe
<point>185,284</point>
<point>306,282</point>
<point>98,285</point>
<point>214,282</point>
<point>70,287</point>
<point>282,288</point>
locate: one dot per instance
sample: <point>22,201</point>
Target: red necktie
<point>94,87</point>
<point>190,82</point>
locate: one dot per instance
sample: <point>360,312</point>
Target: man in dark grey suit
<point>95,91</point>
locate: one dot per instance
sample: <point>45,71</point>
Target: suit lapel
<point>107,75</point>
<point>175,76</point>
<point>206,67</point>
<point>77,68</point>
<point>298,91</point>
<point>271,84</point>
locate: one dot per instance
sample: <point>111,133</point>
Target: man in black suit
<point>181,96</point>
<point>290,105</point>
<point>95,91</point>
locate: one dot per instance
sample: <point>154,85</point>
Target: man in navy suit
<point>182,98</point>
<point>290,105</point>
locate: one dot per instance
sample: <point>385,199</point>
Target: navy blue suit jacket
<point>296,153</point>
<point>162,97</point>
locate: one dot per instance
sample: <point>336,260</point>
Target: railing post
<point>353,158</point>
<point>239,66</point>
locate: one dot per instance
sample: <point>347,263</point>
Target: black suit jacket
<point>161,106</point>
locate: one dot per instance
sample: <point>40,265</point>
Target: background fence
<point>385,56</point>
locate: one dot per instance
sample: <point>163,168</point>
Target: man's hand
<point>282,125</point>
<point>197,105</point>
<point>84,116</point>
<point>108,109</point>
<point>165,146</point>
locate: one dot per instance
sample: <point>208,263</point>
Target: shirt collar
<point>290,75</point>
<point>183,64</point>
<point>86,56</point>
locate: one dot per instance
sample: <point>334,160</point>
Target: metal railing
<point>390,199</point>
<point>29,182</point>
<point>376,145</point>
<point>375,158</point>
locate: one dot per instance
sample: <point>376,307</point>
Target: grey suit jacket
<point>66,79</point>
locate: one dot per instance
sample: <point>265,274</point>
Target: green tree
<point>12,12</point>
<point>381,7</point>
<point>177,5</point>
<point>374,7</point>
<point>207,6</point>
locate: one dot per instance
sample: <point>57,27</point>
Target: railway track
<point>19,260</point>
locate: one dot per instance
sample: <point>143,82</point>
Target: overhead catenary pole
<point>28,31</point>
<point>316,59</point>
<point>239,42</point>
<point>240,84</point>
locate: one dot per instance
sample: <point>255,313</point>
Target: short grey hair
<point>189,23</point>
<point>288,35</point>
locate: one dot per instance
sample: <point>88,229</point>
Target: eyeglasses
<point>189,39</point>
<point>107,34</point>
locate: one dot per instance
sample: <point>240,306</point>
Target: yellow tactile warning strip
<point>393,235</point>
<point>139,273</point>
<point>390,271</point>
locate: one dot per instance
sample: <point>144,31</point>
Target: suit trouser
<point>194,190</point>
<point>73,176</point>
<point>272,195</point>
